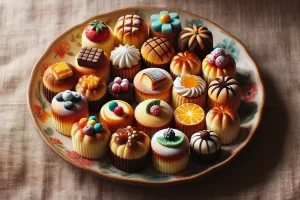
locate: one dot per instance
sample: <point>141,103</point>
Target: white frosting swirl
<point>190,92</point>
<point>125,56</point>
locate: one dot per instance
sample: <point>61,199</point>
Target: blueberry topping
<point>76,97</point>
<point>59,97</point>
<point>67,95</point>
<point>93,118</point>
<point>170,135</point>
<point>68,105</point>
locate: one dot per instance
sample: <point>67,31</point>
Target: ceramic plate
<point>65,48</point>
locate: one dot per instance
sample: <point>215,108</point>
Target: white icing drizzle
<point>125,56</point>
<point>189,92</point>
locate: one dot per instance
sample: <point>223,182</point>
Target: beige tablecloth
<point>269,168</point>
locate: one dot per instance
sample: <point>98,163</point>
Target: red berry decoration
<point>116,88</point>
<point>218,52</point>
<point>125,80</point>
<point>155,110</point>
<point>124,87</point>
<point>118,80</point>
<point>221,61</point>
<point>97,31</point>
<point>119,111</point>
<point>211,59</point>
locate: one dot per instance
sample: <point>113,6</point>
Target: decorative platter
<point>67,45</point>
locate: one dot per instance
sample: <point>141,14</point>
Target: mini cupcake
<point>153,115</point>
<point>121,89</point>
<point>224,91</point>
<point>189,118</point>
<point>157,52</point>
<point>153,83</point>
<point>98,35</point>
<point>225,122</point>
<point>93,61</point>
<point>189,89</point>
<point>67,108</point>
<point>132,30</point>
<point>170,151</point>
<point>196,39</point>
<point>217,64</point>
<point>90,138</point>
<point>125,61</point>
<point>116,114</point>
<point>205,147</point>
<point>166,25</point>
<point>58,78</point>
<point>130,149</point>
<point>185,63</point>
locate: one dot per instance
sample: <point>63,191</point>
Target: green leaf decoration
<point>49,131</point>
<point>78,35</point>
<point>152,103</point>
<point>243,79</point>
<point>39,96</point>
<point>78,44</point>
<point>247,111</point>
<point>163,141</point>
<point>70,53</point>
<point>98,25</point>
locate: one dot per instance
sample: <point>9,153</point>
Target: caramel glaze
<point>123,137</point>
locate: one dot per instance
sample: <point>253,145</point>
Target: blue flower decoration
<point>229,47</point>
<point>165,22</point>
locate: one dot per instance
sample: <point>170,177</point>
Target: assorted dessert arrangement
<point>144,94</point>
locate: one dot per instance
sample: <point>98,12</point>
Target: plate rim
<point>144,181</point>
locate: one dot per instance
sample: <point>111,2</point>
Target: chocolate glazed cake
<point>205,147</point>
<point>196,39</point>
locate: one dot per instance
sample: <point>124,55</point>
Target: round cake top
<point>91,86</point>
<point>125,56</point>
<point>68,103</point>
<point>130,143</point>
<point>116,111</point>
<point>167,148</point>
<point>60,77</point>
<point>189,114</point>
<point>205,142</point>
<point>157,50</point>
<point>153,81</point>
<point>153,113</point>
<point>165,22</point>
<point>189,86</point>
<point>90,130</point>
<point>185,63</point>
<point>221,117</point>
<point>222,89</point>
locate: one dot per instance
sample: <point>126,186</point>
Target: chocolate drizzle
<point>159,42</point>
<point>205,136</point>
<point>223,83</point>
<point>129,136</point>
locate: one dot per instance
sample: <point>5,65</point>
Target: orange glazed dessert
<point>217,64</point>
<point>189,118</point>
<point>185,63</point>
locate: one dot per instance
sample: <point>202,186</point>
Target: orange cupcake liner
<point>178,100</point>
<point>165,96</point>
<point>235,105</point>
<point>191,129</point>
<point>150,131</point>
<point>128,73</point>
<point>87,151</point>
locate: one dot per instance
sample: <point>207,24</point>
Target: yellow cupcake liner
<point>150,131</point>
<point>170,166</point>
<point>165,96</point>
<point>178,100</point>
<point>235,104</point>
<point>91,151</point>
<point>189,130</point>
<point>128,73</point>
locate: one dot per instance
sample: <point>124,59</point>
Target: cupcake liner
<point>64,125</point>
<point>189,130</point>
<point>165,96</point>
<point>150,131</point>
<point>226,136</point>
<point>148,64</point>
<point>128,73</point>
<point>170,166</point>
<point>131,165</point>
<point>90,151</point>
<point>205,158</point>
<point>48,93</point>
<point>235,104</point>
<point>178,100</point>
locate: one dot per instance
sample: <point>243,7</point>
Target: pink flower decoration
<point>56,141</point>
<point>78,159</point>
<point>249,92</point>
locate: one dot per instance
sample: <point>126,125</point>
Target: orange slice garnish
<point>189,114</point>
<point>189,81</point>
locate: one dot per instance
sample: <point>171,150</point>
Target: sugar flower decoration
<point>165,22</point>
